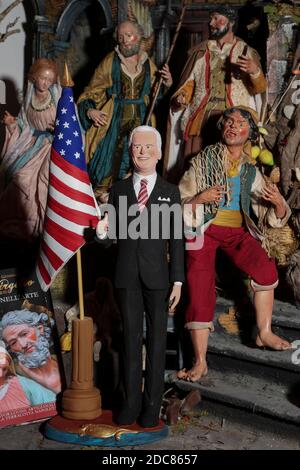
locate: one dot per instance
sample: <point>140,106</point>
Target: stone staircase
<point>261,382</point>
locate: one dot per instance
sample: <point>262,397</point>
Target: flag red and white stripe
<point>71,206</point>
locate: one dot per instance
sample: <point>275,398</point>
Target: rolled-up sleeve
<point>188,190</point>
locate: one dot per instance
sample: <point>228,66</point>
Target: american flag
<point>71,205</point>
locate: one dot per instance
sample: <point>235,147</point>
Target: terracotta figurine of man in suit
<point>149,231</point>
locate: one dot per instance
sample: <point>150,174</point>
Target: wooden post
<point>82,400</point>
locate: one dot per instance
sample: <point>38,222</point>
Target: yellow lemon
<point>266,157</point>
<point>255,151</point>
<point>263,131</point>
<point>66,342</point>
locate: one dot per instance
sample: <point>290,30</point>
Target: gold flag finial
<point>67,79</point>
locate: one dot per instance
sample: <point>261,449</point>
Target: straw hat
<point>251,111</point>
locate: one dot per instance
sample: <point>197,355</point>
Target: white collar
<point>150,178</point>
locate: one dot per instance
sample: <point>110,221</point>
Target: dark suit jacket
<point>147,259</point>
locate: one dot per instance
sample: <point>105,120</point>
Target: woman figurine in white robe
<point>24,168</point>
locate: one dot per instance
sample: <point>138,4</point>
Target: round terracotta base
<point>81,404</point>
<point>102,431</point>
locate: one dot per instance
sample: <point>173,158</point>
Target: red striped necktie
<point>143,195</point>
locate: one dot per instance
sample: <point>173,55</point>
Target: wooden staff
<point>159,83</point>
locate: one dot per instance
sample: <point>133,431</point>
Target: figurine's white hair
<point>146,129</point>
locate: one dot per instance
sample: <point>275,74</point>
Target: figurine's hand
<point>213,194</point>
<point>271,193</point>
<point>174,297</point>
<point>181,99</point>
<point>99,118</point>
<point>253,25</point>
<point>247,65</point>
<point>167,77</point>
<point>51,126</point>
<point>47,375</point>
<point>102,227</point>
<point>8,119</point>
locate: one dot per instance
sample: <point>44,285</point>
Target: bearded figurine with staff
<point>114,103</point>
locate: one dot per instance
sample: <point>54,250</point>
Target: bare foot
<point>269,340</point>
<point>197,372</point>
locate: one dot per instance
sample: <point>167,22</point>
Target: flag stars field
<point>71,205</point>
<point>67,132</point>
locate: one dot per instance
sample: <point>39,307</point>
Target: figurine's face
<point>128,39</point>
<point>235,130</point>
<point>219,25</point>
<point>145,152</point>
<point>44,79</point>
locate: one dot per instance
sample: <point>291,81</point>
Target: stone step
<point>254,394</point>
<point>226,352</point>
<point>236,352</point>
<point>232,349</point>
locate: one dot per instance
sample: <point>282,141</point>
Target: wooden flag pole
<point>160,81</point>
<point>80,285</point>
